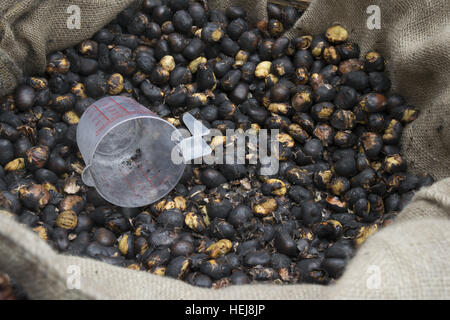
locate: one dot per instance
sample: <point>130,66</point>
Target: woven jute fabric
<point>30,29</point>
<point>408,259</point>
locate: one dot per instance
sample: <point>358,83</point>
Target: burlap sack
<point>409,259</point>
<point>30,29</point>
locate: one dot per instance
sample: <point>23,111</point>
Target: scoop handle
<point>86,176</point>
<point>194,147</point>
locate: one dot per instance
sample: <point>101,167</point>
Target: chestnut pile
<point>341,174</point>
